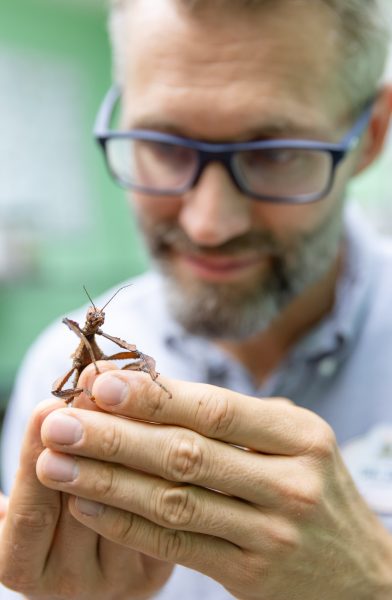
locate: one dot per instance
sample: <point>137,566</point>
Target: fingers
<point>271,427</point>
<point>33,512</point>
<point>146,575</point>
<point>70,555</point>
<point>172,453</point>
<point>209,555</point>
<point>171,505</point>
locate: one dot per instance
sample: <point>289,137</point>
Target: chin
<point>220,311</point>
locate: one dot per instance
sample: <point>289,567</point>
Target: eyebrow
<point>283,128</point>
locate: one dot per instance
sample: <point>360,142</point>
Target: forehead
<point>195,72</point>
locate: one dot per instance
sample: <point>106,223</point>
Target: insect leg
<point>118,341</point>
<point>69,394</point>
<point>74,326</point>
<point>145,363</point>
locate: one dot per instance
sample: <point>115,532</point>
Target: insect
<point>89,352</point>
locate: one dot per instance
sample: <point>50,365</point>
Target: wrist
<point>379,571</point>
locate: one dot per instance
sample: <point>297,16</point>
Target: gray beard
<point>237,311</point>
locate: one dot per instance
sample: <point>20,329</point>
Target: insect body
<point>89,352</point>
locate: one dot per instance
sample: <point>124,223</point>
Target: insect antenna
<point>114,295</point>
<point>89,297</point>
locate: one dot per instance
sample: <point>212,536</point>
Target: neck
<point>262,353</point>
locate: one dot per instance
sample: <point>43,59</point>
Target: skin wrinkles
<point>189,80</point>
<point>231,56</point>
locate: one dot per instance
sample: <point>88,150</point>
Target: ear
<point>374,138</point>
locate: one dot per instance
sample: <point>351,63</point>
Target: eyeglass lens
<point>275,173</point>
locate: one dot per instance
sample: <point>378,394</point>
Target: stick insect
<point>89,352</point>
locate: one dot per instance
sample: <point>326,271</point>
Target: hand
<point>250,492</point>
<point>46,554</point>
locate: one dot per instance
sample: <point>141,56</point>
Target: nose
<point>215,211</point>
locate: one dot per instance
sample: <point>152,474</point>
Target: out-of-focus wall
<point>63,224</point>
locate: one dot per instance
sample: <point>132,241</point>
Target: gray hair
<point>363,35</point>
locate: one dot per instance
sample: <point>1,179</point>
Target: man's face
<point>231,264</point>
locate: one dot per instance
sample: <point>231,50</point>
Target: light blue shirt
<point>342,370</point>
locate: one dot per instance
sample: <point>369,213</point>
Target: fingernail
<point>62,429</point>
<point>88,507</point>
<point>60,468</point>
<point>110,390</point>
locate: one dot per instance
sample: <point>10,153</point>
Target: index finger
<point>265,425</point>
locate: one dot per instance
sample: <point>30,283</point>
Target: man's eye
<point>283,155</point>
<point>169,153</point>
<point>271,157</point>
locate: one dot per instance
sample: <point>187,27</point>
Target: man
<point>244,123</point>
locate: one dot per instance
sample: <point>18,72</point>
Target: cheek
<point>156,209</point>
<point>286,220</point>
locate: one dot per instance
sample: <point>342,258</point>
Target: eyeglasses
<point>291,171</point>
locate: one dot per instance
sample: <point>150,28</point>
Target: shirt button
<point>327,366</point>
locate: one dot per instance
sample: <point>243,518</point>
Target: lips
<point>220,267</point>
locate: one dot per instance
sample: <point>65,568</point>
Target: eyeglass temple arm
<point>101,125</point>
<point>353,136</point>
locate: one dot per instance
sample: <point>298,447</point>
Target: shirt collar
<point>339,328</point>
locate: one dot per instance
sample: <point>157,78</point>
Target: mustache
<point>168,236</point>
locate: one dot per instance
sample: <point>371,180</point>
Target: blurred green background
<point>63,224</point>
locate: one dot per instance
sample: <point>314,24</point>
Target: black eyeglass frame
<point>208,152</point>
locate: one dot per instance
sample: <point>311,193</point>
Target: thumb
<point>86,380</point>
<point>28,527</point>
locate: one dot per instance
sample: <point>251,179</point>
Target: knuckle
<point>216,415</point>
<point>123,528</point>
<point>303,498</point>
<point>282,402</point>
<point>249,571</point>
<point>281,534</point>
<point>111,442</point>
<point>175,508</point>
<point>323,441</point>
<point>284,537</point>
<point>171,545</point>
<point>153,399</point>
<point>34,519</point>
<point>105,483</point>
<point>183,459</point>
